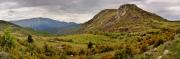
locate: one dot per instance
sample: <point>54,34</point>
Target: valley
<point>128,32</point>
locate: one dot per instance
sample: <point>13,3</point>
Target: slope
<point>128,18</point>
<point>17,30</point>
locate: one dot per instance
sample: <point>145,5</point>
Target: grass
<point>105,45</point>
<point>175,48</point>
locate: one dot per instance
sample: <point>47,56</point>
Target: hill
<point>48,25</point>
<point>125,33</point>
<point>16,29</point>
<point>128,18</point>
<point>137,33</point>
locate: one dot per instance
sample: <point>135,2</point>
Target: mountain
<point>140,33</point>
<point>47,25</point>
<point>125,33</point>
<point>127,18</point>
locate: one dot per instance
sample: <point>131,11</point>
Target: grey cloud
<point>73,6</point>
<point>94,6</point>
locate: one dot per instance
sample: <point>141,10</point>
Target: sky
<point>80,11</point>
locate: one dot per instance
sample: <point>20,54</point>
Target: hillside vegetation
<point>128,18</point>
<point>125,33</point>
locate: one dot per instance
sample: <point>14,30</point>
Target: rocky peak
<point>128,9</point>
<point>128,6</point>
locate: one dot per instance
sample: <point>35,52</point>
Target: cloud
<point>165,8</point>
<point>8,5</point>
<point>80,10</point>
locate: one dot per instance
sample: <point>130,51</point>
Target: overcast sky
<point>80,11</point>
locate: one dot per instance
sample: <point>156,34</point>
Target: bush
<point>90,45</point>
<point>178,30</point>
<point>106,49</point>
<point>7,40</point>
<point>70,52</point>
<point>31,48</point>
<point>48,51</point>
<point>4,55</point>
<point>30,40</point>
<point>125,53</point>
<point>81,52</point>
<point>158,42</point>
<point>143,48</point>
<point>63,56</point>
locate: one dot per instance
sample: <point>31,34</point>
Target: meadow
<point>108,45</point>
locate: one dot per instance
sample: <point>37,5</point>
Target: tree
<point>90,45</point>
<point>30,40</point>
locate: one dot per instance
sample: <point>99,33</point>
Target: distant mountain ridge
<point>47,25</point>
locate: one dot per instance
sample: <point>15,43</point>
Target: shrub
<point>63,56</point>
<point>47,50</point>
<point>178,30</point>
<point>119,54</point>
<point>70,52</point>
<point>81,52</point>
<point>7,40</point>
<point>90,45</point>
<point>158,42</point>
<point>104,48</point>
<point>29,39</point>
<point>4,55</point>
<point>31,48</point>
<point>143,48</point>
<point>125,53</point>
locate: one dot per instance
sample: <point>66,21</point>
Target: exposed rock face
<point>124,8</point>
<point>131,10</point>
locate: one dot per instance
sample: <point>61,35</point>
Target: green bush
<point>7,40</point>
<point>30,40</point>
<point>125,53</point>
<point>122,54</point>
<point>106,49</point>
<point>63,56</point>
<point>90,45</point>
<point>48,51</point>
<point>31,48</point>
